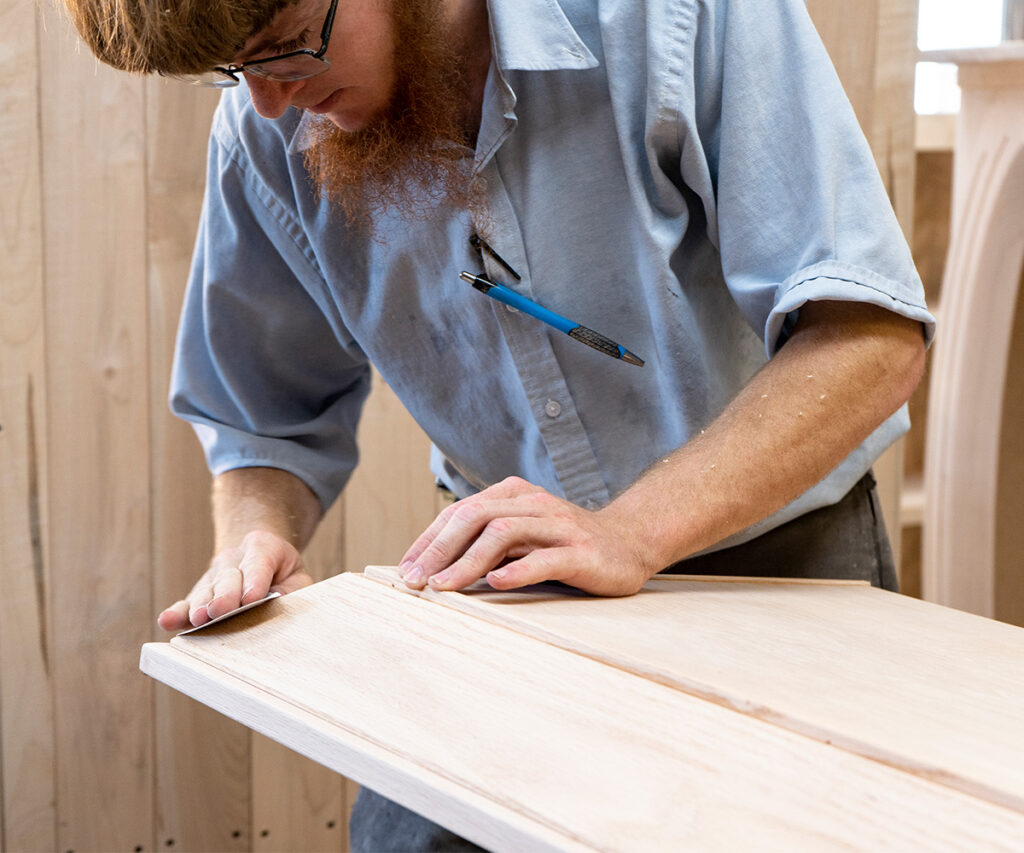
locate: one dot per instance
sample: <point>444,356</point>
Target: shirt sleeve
<point>259,370</point>
<point>790,188</point>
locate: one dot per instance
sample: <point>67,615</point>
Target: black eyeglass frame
<point>232,71</point>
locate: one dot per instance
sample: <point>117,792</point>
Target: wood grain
<point>207,809</point>
<point>518,744</point>
<point>391,498</point>
<point>904,685</point>
<point>98,444</point>
<point>971,364</point>
<point>27,751</point>
<point>873,45</point>
<point>298,804</point>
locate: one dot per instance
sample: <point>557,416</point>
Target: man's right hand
<point>261,564</point>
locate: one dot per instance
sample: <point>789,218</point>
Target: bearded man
<point>684,176</point>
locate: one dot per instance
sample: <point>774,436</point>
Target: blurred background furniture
<point>973,556</point>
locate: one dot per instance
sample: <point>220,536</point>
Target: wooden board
<point>98,443</point>
<point>516,743</point>
<point>208,810</point>
<point>904,684</point>
<point>299,805</point>
<point>391,498</point>
<point>873,45</point>
<point>27,753</point>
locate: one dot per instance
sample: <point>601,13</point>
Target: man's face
<point>396,87</point>
<point>361,79</point>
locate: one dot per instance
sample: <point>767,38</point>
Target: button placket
<point>529,343</point>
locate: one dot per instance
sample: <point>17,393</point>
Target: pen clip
<point>481,245</point>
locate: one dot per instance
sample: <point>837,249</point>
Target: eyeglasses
<point>293,65</point>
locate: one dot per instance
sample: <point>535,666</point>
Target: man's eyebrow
<point>262,44</point>
<point>269,39</point>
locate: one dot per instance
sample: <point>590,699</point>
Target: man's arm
<point>263,518</point>
<point>844,370</point>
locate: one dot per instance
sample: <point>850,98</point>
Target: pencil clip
<point>481,245</point>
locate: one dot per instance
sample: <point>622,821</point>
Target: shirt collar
<point>527,35</point>
<point>535,35</point>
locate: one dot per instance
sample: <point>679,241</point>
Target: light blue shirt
<point>680,175</point>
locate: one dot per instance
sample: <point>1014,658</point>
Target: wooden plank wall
<point>873,45</point>
<point>104,505</point>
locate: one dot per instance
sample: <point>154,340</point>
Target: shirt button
<point>552,408</point>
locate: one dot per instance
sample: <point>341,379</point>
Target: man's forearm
<point>844,370</point>
<point>269,499</point>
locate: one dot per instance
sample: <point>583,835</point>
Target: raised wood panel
<point>929,710</point>
<point>27,752</point>
<point>447,744</point>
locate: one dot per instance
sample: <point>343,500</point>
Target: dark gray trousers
<point>844,541</point>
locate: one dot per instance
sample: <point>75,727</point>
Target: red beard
<point>413,155</point>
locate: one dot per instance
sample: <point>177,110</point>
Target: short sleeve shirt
<point>678,175</point>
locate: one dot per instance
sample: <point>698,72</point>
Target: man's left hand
<point>515,533</point>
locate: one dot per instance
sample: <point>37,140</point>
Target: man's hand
<point>262,518</point>
<point>845,368</point>
<point>515,534</point>
<point>262,564</point>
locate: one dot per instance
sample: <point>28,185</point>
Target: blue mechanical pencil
<point>507,296</point>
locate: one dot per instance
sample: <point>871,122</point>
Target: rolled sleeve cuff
<point>227,449</point>
<point>839,282</point>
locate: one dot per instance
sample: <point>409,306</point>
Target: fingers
<point>237,576</point>
<point>474,536</point>
<point>226,593</point>
<point>264,559</point>
<point>175,617</point>
<point>508,488</point>
<point>501,538</point>
<point>515,534</point>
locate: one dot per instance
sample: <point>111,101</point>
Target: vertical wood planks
<point>104,505</point>
<point>27,753</point>
<point>297,804</point>
<point>202,758</point>
<point>98,447</point>
<point>873,46</point>
<point>391,498</point>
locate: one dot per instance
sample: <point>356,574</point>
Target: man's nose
<point>271,98</point>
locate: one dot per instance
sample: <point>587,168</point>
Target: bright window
<point>947,24</point>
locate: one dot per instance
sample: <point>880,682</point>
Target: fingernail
<point>246,591</point>
<point>500,574</point>
<point>441,578</point>
<point>403,569</point>
<point>415,575</point>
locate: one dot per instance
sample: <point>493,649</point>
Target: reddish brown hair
<point>169,36</point>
